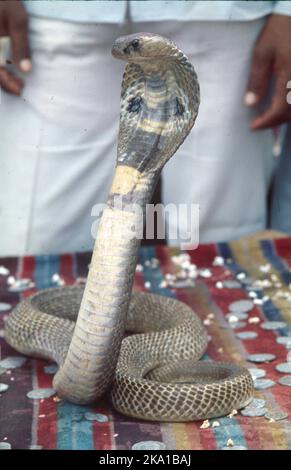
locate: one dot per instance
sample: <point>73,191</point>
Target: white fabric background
<point>58,141</point>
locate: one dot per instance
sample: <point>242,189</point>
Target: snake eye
<point>135,44</point>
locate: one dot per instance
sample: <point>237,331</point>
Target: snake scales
<point>155,374</point>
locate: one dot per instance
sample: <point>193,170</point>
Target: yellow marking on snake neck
<point>156,127</point>
<point>125,179</point>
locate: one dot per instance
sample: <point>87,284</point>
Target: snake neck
<point>89,366</point>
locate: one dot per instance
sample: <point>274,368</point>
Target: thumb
<point>259,77</point>
<point>18,29</point>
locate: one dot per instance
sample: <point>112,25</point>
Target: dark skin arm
<point>271,57</point>
<point>13,23</point>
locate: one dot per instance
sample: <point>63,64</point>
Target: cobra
<point>155,373</point>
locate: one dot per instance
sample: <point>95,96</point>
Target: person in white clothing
<point>60,108</point>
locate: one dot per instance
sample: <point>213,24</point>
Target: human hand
<point>271,56</point>
<point>13,23</point>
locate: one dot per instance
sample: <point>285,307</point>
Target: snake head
<point>159,100</point>
<point>142,46</point>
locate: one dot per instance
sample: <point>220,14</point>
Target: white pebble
<point>258,301</point>
<point>254,320</point>
<point>218,261</point>
<point>232,319</point>
<point>253,294</point>
<point>265,268</point>
<point>241,276</point>
<point>206,273</point>
<point>11,280</point>
<point>205,424</point>
<point>4,271</point>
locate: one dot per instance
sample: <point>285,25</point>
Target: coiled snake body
<point>153,375</point>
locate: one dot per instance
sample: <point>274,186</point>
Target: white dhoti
<point>58,141</point>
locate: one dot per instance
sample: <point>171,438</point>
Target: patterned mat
<point>48,423</point>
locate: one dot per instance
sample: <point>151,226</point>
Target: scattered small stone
<point>39,393</point>
<point>241,306</point>
<point>218,261</point>
<point>263,283</point>
<point>163,284</point>
<point>4,307</point>
<point>254,320</point>
<point>182,284</point>
<point>181,258</point>
<point>215,424</point>
<point>276,415</point>
<point>284,367</point>
<point>12,362</point>
<point>57,399</point>
<point>230,443</point>
<point>4,271</point>
<point>285,340</point>
<point>247,335</point>
<point>3,388</point>
<point>58,280</point>
<point>10,280</point>
<point>265,268</point>
<point>237,325</point>
<point>231,318</point>
<point>257,373</point>
<point>205,424</point>
<point>253,412</point>
<point>211,316</point>
<point>252,294</point>
<point>5,446</point>
<point>262,384</point>
<point>241,276</point>
<point>96,417</point>
<point>273,325</point>
<point>19,285</point>
<point>232,414</point>
<point>149,445</point>
<point>286,380</point>
<point>51,369</point>
<point>262,357</point>
<point>147,284</point>
<point>231,284</point>
<point>219,285</point>
<point>139,268</point>
<point>206,273</point>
